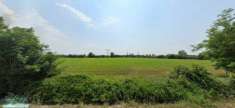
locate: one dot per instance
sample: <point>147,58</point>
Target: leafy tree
<point>182,54</point>
<point>91,54</point>
<point>23,60</point>
<point>220,45</point>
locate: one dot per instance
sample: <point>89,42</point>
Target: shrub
<point>199,77</point>
<point>77,89</point>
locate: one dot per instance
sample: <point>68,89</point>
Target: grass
<point>119,68</point>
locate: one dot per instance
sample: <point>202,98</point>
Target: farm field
<point>147,68</point>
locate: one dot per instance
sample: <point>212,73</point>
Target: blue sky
<point>134,26</point>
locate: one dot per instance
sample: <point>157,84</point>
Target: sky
<point>120,26</point>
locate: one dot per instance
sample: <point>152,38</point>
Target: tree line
<point>182,54</point>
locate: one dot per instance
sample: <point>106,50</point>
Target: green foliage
<point>182,54</point>
<point>220,45</point>
<point>193,85</point>
<point>23,60</point>
<point>83,89</point>
<point>231,86</point>
<point>199,77</point>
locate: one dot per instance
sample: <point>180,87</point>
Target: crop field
<point>147,68</point>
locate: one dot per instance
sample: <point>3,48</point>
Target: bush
<point>199,77</point>
<point>77,89</point>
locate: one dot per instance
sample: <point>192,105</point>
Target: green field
<point>147,68</point>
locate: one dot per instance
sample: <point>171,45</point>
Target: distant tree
<point>220,45</point>
<point>23,59</point>
<point>91,54</point>
<point>171,56</point>
<point>161,56</point>
<point>112,54</point>
<point>182,54</point>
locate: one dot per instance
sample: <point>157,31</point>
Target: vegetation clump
<point>83,89</point>
<point>199,77</point>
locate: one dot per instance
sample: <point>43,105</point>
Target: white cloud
<point>82,16</point>
<point>105,22</point>
<point>47,33</point>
